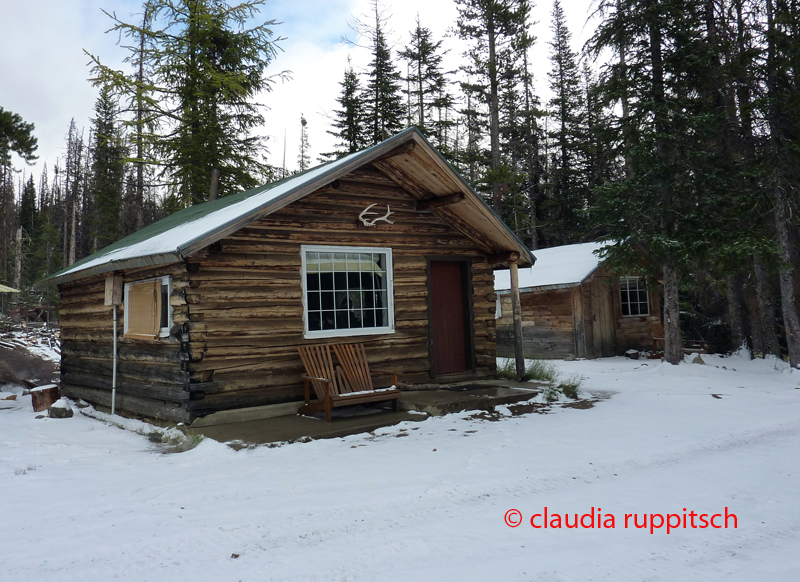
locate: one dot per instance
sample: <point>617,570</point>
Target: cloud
<point>44,71</point>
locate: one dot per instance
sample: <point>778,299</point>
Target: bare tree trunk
<point>766,309</point>
<point>673,352</point>
<point>791,321</point>
<point>18,259</point>
<point>494,114</point>
<point>736,312</point>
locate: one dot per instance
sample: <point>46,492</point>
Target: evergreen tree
<point>567,189</point>
<point>383,104</point>
<point>491,27</point>
<point>16,135</point>
<point>348,121</point>
<point>670,205</point>
<point>108,173</point>
<point>206,67</point>
<point>303,158</point>
<point>782,110</point>
<point>428,85</point>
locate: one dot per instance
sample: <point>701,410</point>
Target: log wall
<point>246,307</point>
<point>150,378</point>
<point>584,321</point>
<point>238,309</point>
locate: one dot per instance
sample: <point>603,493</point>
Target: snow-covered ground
<point>83,500</point>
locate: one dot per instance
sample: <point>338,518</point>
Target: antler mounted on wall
<point>367,222</point>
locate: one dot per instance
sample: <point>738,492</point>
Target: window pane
<point>312,282</point>
<point>314,321</point>
<point>313,302</point>
<point>326,281</point>
<point>369,318</point>
<point>328,320</point>
<point>327,300</point>
<point>164,305</point>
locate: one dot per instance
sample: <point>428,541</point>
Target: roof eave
<point>132,263</point>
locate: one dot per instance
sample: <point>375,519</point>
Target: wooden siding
<point>584,321</point>
<point>547,325</point>
<point>245,295</point>
<point>238,309</point>
<point>150,379</point>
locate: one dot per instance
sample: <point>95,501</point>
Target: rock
<point>82,404</point>
<point>698,360</point>
<point>632,354</point>
<point>569,358</point>
<point>60,409</point>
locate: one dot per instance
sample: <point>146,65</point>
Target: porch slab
<point>291,428</point>
<point>469,396</point>
<point>243,429</point>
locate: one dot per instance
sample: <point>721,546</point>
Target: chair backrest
<point>657,329</point>
<point>353,360</point>
<point>319,364</point>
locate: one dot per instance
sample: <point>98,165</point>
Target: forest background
<point>673,131</point>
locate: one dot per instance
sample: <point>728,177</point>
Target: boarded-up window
<point>147,309</point>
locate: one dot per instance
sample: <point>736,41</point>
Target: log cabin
<point>572,305</point>
<point>388,246</point>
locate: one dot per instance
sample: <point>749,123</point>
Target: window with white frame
<point>633,296</point>
<point>148,314</point>
<point>347,291</point>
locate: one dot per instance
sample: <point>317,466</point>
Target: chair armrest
<point>325,380</point>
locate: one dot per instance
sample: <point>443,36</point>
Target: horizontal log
<point>162,373</point>
<point>151,390</point>
<point>155,409</point>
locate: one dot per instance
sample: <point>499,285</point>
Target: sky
<point>44,70</point>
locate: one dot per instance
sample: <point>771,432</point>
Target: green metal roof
<point>175,237</point>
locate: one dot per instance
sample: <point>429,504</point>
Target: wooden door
<point>449,336</point>
<point>603,323</point>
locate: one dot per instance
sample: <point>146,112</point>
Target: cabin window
<point>148,314</point>
<point>347,291</point>
<point>633,295</point>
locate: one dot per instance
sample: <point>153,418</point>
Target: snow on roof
<point>564,266</point>
<point>164,241</point>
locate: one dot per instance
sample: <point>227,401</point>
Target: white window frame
<point>165,280</point>
<point>627,278</point>
<point>330,333</point>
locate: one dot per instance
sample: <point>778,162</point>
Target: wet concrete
<point>414,406</point>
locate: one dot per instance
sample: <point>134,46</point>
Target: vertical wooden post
<point>517,314</point>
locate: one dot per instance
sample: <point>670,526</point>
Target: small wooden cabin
<point>572,305</point>
<point>387,246</point>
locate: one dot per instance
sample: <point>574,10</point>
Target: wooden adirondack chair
<point>688,347</point>
<point>347,384</point>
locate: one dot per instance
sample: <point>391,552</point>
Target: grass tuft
<point>535,370</point>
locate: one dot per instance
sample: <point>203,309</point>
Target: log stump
<point>43,397</point>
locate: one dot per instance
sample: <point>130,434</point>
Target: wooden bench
<point>346,384</point>
<point>687,346</point>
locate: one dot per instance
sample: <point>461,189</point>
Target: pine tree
<point>567,191</point>
<point>383,103</point>
<point>304,157</point>
<point>670,205</point>
<point>205,69</point>
<point>348,121</point>
<point>490,27</point>
<point>429,93</point>
<point>16,135</point>
<point>782,109</point>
